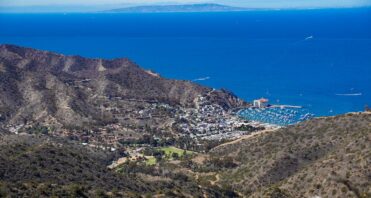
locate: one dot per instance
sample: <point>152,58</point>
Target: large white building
<point>260,103</point>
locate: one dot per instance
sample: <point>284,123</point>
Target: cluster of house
<point>14,128</point>
<point>211,122</point>
<point>132,154</point>
<point>201,122</point>
<point>205,121</point>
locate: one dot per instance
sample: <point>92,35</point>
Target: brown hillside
<point>325,157</point>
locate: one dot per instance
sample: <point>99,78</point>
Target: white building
<point>260,103</point>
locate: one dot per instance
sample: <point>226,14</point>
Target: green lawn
<point>168,154</point>
<point>150,160</point>
<point>170,149</point>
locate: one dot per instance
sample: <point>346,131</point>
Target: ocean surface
<point>318,59</point>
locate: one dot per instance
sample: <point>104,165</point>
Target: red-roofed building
<point>260,103</point>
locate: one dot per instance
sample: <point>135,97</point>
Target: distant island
<point>210,7</point>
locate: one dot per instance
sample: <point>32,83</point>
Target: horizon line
<point>111,10</point>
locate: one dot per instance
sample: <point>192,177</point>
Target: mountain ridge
<point>73,91</point>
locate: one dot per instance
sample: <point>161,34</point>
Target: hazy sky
<point>244,3</point>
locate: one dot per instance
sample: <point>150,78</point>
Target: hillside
<point>40,166</point>
<point>323,157</point>
<point>62,94</point>
<point>179,8</point>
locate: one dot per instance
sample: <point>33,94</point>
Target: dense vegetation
<point>40,166</point>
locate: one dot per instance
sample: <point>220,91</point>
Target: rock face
<point>43,86</point>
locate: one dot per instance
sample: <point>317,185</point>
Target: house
<point>260,103</point>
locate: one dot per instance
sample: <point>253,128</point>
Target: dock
<point>286,106</point>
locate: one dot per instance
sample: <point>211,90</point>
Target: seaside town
<point>131,127</point>
<point>153,126</point>
<point>204,122</point>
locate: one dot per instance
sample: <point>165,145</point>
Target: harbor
<point>276,114</point>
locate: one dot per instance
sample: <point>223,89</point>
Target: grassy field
<point>151,160</point>
<point>170,150</point>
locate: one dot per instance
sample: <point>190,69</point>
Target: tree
<point>158,158</point>
<point>158,155</point>
<point>175,156</point>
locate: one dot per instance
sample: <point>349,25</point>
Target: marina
<point>275,114</point>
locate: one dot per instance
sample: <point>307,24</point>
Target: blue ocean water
<point>318,59</point>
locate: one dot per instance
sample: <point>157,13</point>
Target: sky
<point>103,4</point>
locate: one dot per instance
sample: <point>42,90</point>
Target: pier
<point>286,106</point>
